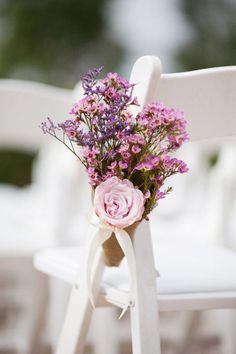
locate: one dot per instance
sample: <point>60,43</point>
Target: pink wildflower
<point>112,166</point>
<point>147,194</point>
<point>126,155</point>
<point>123,165</point>
<point>160,195</point>
<point>135,149</point>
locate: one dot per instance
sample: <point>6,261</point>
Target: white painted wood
<point>176,302</point>
<point>105,331</point>
<point>219,206</point>
<point>224,325</point>
<point>144,325</point>
<point>24,105</point>
<point>197,301</point>
<point>79,311</point>
<point>213,274</point>
<point>63,263</point>
<point>144,313</point>
<point>207,98</point>
<point>145,75</point>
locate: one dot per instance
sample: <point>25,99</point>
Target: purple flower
<point>123,165</point>
<point>89,78</point>
<point>48,127</point>
<point>93,176</point>
<point>112,166</point>
<point>126,155</point>
<point>149,163</point>
<point>182,168</point>
<point>147,194</point>
<point>135,149</point>
<point>160,195</point>
<point>110,93</point>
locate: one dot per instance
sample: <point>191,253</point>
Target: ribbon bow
<point>102,234</point>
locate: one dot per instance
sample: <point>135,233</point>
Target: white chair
<point>193,276</point>
<point>30,217</point>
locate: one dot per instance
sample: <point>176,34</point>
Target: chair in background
<point>31,217</point>
<point>194,276</point>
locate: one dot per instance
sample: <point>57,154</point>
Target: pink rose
<point>118,203</point>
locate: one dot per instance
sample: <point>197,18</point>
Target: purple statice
<point>48,127</point>
<point>89,79</point>
<point>111,141</point>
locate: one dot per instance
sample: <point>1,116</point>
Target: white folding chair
<point>192,276</point>
<point>30,217</point>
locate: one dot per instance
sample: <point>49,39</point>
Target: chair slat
<point>208,98</point>
<point>24,105</point>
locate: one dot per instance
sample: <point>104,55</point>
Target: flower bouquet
<point>127,157</point>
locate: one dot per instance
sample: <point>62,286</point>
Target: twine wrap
<point>112,252</point>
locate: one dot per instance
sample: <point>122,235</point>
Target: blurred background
<point>54,43</point>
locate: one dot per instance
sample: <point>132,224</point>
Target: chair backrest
<point>23,106</point>
<point>208,96</point>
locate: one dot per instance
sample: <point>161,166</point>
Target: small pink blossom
<point>112,166</point>
<point>108,175</point>
<point>110,93</point>
<point>93,176</point>
<point>147,194</point>
<point>160,195</point>
<point>124,148</point>
<point>135,149</point>
<point>123,165</point>
<point>132,138</point>
<point>140,140</point>
<point>126,155</point>
<point>150,163</point>
<point>183,168</point>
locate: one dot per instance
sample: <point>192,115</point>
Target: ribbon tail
<point>97,240</point>
<point>124,311</point>
<point>127,247</point>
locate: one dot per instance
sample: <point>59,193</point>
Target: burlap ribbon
<point>102,234</point>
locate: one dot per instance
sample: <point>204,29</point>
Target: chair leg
<point>76,324</point>
<point>40,299</point>
<point>226,330</point>
<point>79,313</point>
<point>145,330</point>
<point>144,314</point>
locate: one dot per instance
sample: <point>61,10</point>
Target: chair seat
<point>184,268</point>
